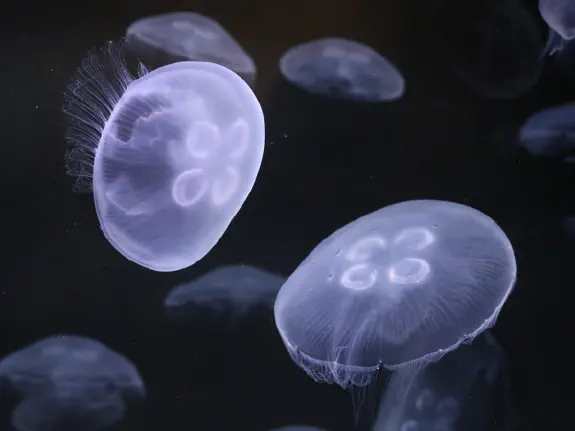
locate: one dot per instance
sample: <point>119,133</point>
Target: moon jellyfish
<point>68,379</point>
<point>560,17</point>
<point>550,132</point>
<point>344,69</point>
<point>235,288</point>
<point>468,389</point>
<point>171,155</point>
<point>492,46</point>
<point>181,36</point>
<point>398,287</point>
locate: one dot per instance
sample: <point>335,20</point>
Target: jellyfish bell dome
<point>342,68</point>
<point>174,154</point>
<point>560,17</point>
<point>407,283</point>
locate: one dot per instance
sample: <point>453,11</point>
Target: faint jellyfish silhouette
<point>181,36</point>
<point>298,428</point>
<point>171,156</point>
<point>568,226</point>
<point>560,17</point>
<point>550,132</point>
<point>492,46</point>
<point>342,68</point>
<point>468,389</point>
<point>235,289</point>
<point>68,379</point>
<point>399,287</point>
<point>49,410</point>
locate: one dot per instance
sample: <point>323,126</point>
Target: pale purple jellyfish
<point>181,36</point>
<point>560,17</point>
<point>233,289</point>
<point>400,286</point>
<point>171,156</point>
<point>550,132</point>
<point>68,379</point>
<point>342,68</point>
<point>468,389</point>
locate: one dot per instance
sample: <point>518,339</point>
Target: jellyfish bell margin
<point>432,275</point>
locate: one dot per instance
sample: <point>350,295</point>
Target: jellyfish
<point>50,410</point>
<point>344,69</point>
<point>550,132</point>
<point>181,36</point>
<point>239,288</point>
<point>171,155</point>
<point>467,389</point>
<point>69,379</point>
<point>560,17</point>
<point>399,287</point>
<point>492,46</point>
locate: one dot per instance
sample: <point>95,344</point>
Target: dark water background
<point>326,163</point>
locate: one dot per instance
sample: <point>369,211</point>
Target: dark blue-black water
<point>326,163</point>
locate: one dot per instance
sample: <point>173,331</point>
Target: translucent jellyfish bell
<point>182,36</point>
<point>402,285</point>
<point>342,68</point>
<point>550,132</point>
<point>69,378</point>
<point>235,288</point>
<point>171,156</point>
<point>560,17</point>
<point>50,410</point>
<point>65,360</point>
<point>468,389</point>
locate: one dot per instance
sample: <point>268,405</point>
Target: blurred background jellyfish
<point>234,289</point>
<point>180,36</point>
<point>560,17</point>
<point>69,382</point>
<point>171,156</point>
<point>342,68</point>
<point>467,390</point>
<point>492,46</point>
<point>399,287</point>
<point>550,132</point>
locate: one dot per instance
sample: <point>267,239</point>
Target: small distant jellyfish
<point>342,68</point>
<point>399,287</point>
<point>181,36</point>
<point>550,132</point>
<point>171,155</point>
<point>51,411</point>
<point>234,288</point>
<point>467,389</point>
<point>560,17</point>
<point>70,379</point>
